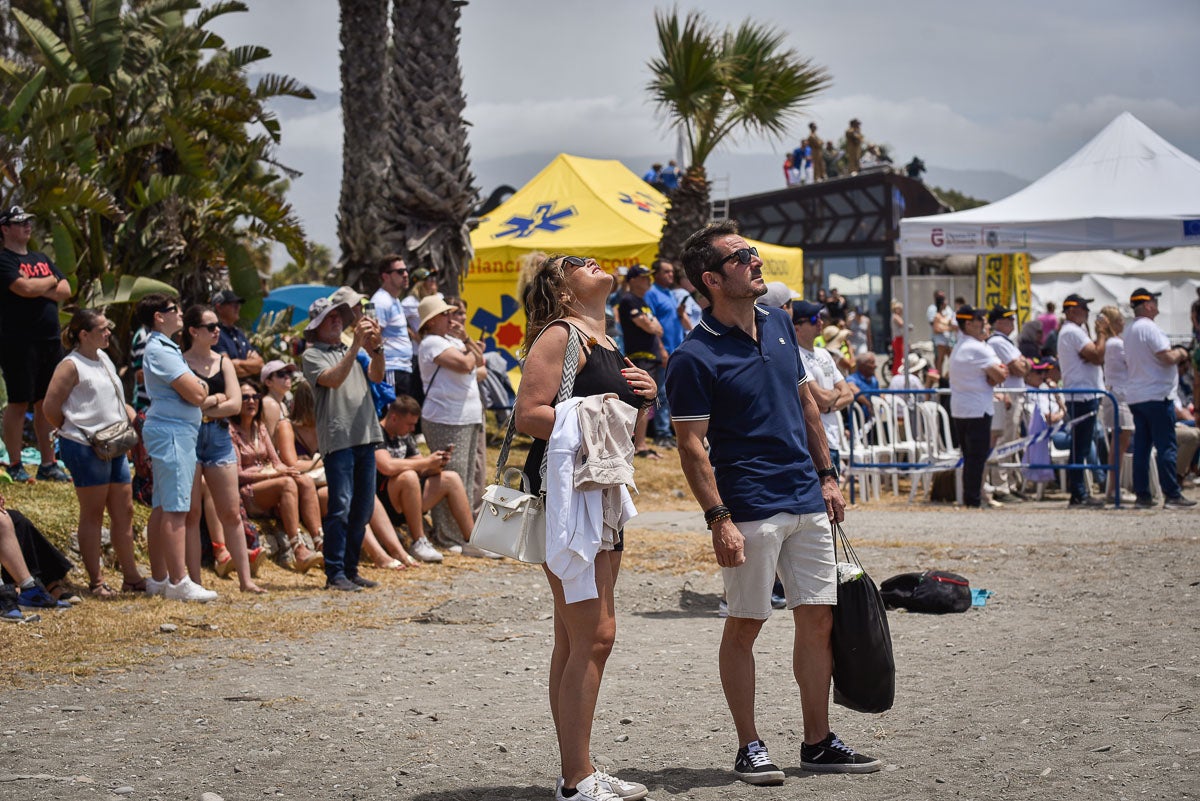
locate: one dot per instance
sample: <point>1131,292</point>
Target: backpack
<point>934,591</point>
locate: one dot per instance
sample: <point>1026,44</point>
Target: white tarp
<point>1174,306</point>
<point>1126,188</point>
<point>1082,262</point>
<point>1176,261</point>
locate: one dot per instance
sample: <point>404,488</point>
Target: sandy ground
<point>1080,679</point>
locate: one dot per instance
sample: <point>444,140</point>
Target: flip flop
<point>648,453</point>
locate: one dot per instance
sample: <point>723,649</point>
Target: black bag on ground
<point>864,670</point>
<point>933,591</point>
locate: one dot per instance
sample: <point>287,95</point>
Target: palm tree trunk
<point>430,186</point>
<point>364,143</point>
<point>689,212</point>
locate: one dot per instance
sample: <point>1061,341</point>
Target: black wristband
<point>716,513</point>
<point>827,472</point>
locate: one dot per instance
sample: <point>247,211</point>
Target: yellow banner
<point>995,287</point>
<point>1022,284</point>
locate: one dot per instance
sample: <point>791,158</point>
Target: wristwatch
<point>827,472</point>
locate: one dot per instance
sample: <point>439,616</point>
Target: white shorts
<point>799,548</point>
<point>1124,414</point>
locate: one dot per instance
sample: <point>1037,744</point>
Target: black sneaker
<point>1090,502</point>
<point>342,583</point>
<point>10,612</point>
<point>831,755</point>
<point>364,582</point>
<point>753,766</point>
<point>1178,502</point>
<point>1144,503</point>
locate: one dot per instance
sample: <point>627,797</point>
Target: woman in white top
<point>1116,378</point>
<point>84,397</point>
<point>452,414</point>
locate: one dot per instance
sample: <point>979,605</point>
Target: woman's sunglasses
<point>248,398</point>
<point>209,327</point>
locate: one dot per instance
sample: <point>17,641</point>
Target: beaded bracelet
<point>716,514</point>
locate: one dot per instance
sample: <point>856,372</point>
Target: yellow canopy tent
<point>576,206</point>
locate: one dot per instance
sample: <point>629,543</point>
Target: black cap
<point>636,271</point>
<point>226,296</point>
<point>1044,364</point>
<point>1141,295</point>
<point>805,310</point>
<point>14,214</point>
<point>968,312</point>
<point>1074,301</point>
<point>999,312</point>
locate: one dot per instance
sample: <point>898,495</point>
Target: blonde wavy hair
<point>1116,320</point>
<point>546,298</point>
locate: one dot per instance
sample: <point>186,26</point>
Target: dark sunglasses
<point>573,261</point>
<point>170,307</point>
<point>743,255</point>
<point>391,272</point>
<point>248,398</point>
<point>210,327</point>
<point>814,320</point>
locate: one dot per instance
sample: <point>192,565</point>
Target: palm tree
<point>713,84</point>
<point>364,62</point>
<point>430,186</point>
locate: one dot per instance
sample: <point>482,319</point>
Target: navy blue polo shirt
<point>748,393</point>
<point>234,343</point>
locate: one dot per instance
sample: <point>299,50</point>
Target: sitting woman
<point>296,442</point>
<point>277,381</point>
<point>270,487</point>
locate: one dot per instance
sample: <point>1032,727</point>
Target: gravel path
<point>1079,679</point>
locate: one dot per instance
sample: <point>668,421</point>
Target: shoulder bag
<point>512,521</point>
<point>116,439</point>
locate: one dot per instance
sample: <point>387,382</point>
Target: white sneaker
<point>479,553</point>
<point>154,588</point>
<point>626,791</point>
<point>188,590</point>
<point>455,549</point>
<point>590,789</point>
<point>424,550</point>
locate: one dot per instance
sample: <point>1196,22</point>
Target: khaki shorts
<point>799,548</point>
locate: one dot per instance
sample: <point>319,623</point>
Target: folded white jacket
<point>574,519</point>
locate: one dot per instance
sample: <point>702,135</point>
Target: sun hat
<point>834,336</point>
<point>317,312</point>
<point>914,363</point>
<point>276,366</point>
<point>431,307</point>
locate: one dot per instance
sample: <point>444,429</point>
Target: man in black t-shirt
<point>642,334</point>
<point>836,306</point>
<point>31,288</point>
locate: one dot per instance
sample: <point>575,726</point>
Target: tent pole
<point>908,310</point>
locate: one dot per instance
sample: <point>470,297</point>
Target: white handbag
<point>512,521</point>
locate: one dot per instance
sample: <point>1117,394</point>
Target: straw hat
<point>914,363</point>
<point>834,336</point>
<point>431,307</point>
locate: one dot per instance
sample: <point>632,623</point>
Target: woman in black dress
<point>567,294</point>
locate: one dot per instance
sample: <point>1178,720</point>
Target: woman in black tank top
<point>565,298</point>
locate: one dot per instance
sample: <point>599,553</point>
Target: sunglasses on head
<point>743,255</point>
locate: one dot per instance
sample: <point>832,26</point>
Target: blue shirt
<point>866,385</point>
<point>748,393</point>
<point>234,343</point>
<point>662,303</point>
<point>163,363</point>
<point>397,347</point>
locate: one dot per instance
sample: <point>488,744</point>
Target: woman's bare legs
<point>310,508</point>
<point>449,485</point>
<point>583,638</point>
<point>91,517</point>
<point>223,486</point>
<point>120,516</point>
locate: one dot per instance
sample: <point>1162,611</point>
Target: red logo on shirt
<point>39,270</point>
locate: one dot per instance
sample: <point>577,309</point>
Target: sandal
<point>648,453</point>
<point>303,559</point>
<point>64,592</point>
<point>100,589</point>
<point>394,564</point>
<point>138,586</point>
<point>222,567</point>
<point>257,557</point>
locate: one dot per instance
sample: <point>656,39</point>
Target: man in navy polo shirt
<point>768,490</point>
<point>233,342</point>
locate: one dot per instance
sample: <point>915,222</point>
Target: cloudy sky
<point>1013,87</point>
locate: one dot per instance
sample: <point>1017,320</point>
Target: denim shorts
<point>172,449</point>
<point>88,469</point>
<point>214,448</point>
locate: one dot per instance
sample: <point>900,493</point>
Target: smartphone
<point>449,448</point>
<point>368,311</point>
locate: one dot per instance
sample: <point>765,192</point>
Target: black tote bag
<point>864,670</point>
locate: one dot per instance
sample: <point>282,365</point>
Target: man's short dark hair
<point>404,405</point>
<point>151,305</point>
<point>699,253</point>
<point>387,261</point>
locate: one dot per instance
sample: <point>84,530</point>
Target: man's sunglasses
<point>170,307</point>
<point>743,255</point>
<point>392,272</point>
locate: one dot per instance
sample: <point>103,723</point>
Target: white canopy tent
<point>1175,261</point>
<point>1083,262</point>
<point>1127,188</point>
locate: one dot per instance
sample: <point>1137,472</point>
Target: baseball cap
<point>1141,295</point>
<point>419,274</point>
<point>1044,364</point>
<point>805,310</point>
<point>14,214</point>
<point>969,312</point>
<point>275,366</point>
<point>778,293</point>
<point>226,296</point>
<point>636,271</point>
<point>999,312</point>
<point>1074,300</point>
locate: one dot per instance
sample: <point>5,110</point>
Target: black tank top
<point>601,373</point>
<point>216,382</point>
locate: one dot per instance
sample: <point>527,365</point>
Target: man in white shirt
<point>1006,419</point>
<point>974,370</point>
<point>1151,362</point>
<point>397,347</point>
<point>828,386</point>
<point>1081,359</point>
